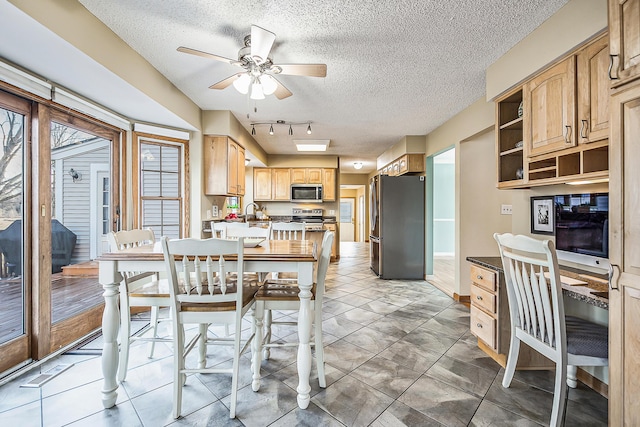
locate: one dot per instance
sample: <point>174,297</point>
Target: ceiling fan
<point>259,70</point>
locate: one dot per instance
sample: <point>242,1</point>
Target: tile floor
<point>397,353</point>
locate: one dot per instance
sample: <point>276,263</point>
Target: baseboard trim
<point>463,299</point>
<point>593,383</point>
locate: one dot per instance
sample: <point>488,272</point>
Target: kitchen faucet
<point>255,208</point>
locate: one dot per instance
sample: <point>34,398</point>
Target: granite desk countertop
<point>594,291</point>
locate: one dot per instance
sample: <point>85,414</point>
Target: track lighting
<point>273,124</point>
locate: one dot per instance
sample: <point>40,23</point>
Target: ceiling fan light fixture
<point>242,83</point>
<point>256,90</point>
<point>309,129</point>
<point>269,84</point>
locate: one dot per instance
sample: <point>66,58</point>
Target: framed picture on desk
<point>542,215</point>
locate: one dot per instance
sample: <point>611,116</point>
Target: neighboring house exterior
<point>79,203</point>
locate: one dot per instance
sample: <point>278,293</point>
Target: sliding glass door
<point>14,265</point>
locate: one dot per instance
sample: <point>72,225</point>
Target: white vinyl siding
<point>74,211</point>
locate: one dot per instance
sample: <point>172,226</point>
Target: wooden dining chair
<point>537,315</point>
<point>275,295</point>
<point>138,290</point>
<point>200,294</point>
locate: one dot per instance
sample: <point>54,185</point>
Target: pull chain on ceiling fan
<point>259,70</point>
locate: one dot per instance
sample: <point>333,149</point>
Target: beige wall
<point>71,21</point>
<point>478,215</point>
<point>408,144</point>
<point>574,23</point>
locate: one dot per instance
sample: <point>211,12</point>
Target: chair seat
<point>281,291</point>
<point>153,289</point>
<point>586,338</point>
<point>248,294</point>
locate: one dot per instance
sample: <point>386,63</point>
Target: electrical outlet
<point>332,212</point>
<point>214,211</point>
<point>506,210</point>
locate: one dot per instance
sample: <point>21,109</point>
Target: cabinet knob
<point>479,277</point>
<point>478,297</point>
<point>479,325</point>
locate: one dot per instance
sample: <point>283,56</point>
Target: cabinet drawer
<point>483,298</point>
<point>483,326</point>
<point>483,277</point>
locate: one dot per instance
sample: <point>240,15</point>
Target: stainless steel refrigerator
<point>397,214</point>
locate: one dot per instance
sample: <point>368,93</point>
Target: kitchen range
<point>313,218</point>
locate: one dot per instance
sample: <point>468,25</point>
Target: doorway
<point>347,219</point>
<point>441,219</point>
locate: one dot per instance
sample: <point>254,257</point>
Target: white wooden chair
<point>207,299</point>
<point>538,319</point>
<point>288,231</point>
<point>138,290</point>
<point>275,295</point>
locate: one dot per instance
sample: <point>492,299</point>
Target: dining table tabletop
<point>267,256</point>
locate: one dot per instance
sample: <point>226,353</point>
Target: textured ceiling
<point>394,68</point>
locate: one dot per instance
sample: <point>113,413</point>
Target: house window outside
<point>161,191</point>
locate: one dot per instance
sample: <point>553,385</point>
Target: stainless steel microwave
<point>306,192</point>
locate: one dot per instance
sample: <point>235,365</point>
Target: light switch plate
<point>214,211</point>
<point>506,210</point>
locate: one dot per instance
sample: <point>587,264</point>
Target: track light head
<point>309,129</point>
<point>271,130</point>
<point>290,130</point>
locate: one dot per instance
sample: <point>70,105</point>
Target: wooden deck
<point>70,295</point>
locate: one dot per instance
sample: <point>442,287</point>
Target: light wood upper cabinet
<point>281,184</point>
<point>306,176</point>
<point>593,92</point>
<point>624,40</point>
<point>624,256</point>
<point>549,102</point>
<point>224,166</point>
<point>262,184</point>
<point>274,184</point>
<point>328,185</point>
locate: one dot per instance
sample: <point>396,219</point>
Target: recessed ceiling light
<point>311,144</point>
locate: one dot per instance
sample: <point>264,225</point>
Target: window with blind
<point>161,189</point>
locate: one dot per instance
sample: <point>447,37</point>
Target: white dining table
<point>270,256</point>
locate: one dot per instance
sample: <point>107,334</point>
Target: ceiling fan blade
<point>261,43</point>
<point>281,92</point>
<point>207,55</point>
<point>312,70</point>
<point>223,84</point>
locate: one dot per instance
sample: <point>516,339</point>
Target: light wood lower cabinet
<point>490,320</point>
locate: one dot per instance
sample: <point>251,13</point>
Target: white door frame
<point>97,240</point>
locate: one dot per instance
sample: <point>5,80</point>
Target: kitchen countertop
<point>595,292</point>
